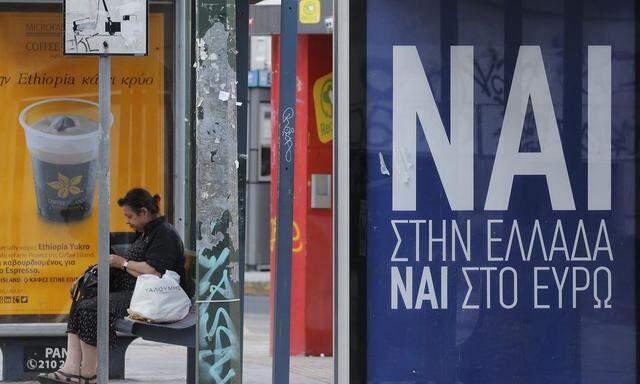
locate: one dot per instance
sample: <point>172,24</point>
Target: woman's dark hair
<point>139,198</point>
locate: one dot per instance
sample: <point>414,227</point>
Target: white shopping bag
<point>159,300</point>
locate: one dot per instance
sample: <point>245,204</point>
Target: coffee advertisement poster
<point>48,149</point>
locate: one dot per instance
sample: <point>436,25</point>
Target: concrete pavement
<point>257,362</point>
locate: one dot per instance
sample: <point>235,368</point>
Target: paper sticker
<point>112,27</point>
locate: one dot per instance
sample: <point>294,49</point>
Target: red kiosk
<point>312,268</point>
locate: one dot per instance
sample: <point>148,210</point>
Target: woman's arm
<point>134,268</point>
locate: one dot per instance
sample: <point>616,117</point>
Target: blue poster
<point>501,191</point>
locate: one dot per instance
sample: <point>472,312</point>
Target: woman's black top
<point>159,246</point>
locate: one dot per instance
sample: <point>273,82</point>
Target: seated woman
<point>157,247</point>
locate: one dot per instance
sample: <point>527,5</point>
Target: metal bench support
<point>179,333</point>
<point>191,365</point>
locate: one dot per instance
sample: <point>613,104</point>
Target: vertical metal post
<point>242,66</point>
<point>103,212</point>
<point>286,134</point>
<point>216,185</point>
<point>341,202</point>
<point>181,123</point>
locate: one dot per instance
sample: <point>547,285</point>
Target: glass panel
<point>501,191</point>
<point>48,229</point>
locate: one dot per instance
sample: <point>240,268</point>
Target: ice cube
<point>61,123</point>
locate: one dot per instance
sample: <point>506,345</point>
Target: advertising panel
<point>501,192</point>
<point>48,125</point>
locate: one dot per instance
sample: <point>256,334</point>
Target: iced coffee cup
<point>62,137</point>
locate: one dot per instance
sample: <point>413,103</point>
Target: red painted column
<point>312,269</point>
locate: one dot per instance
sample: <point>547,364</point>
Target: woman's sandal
<point>89,380</point>
<point>59,377</point>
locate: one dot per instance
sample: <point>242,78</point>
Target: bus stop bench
<point>181,333</point>
<point>30,349</point>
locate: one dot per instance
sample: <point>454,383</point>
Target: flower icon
<point>64,186</point>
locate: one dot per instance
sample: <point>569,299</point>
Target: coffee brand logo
<point>323,103</point>
<point>66,186</point>
<point>310,11</point>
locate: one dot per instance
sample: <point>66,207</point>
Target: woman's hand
<point>116,261</point>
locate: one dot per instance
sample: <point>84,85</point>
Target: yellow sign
<point>310,11</point>
<point>296,239</point>
<point>323,104</point>
<point>48,226</point>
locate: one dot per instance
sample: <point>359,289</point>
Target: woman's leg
<point>71,367</point>
<point>74,355</point>
<point>82,323</point>
<point>89,363</point>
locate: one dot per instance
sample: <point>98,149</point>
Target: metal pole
<point>341,192</point>
<point>180,122</point>
<point>216,183</point>
<point>286,134</point>
<point>103,211</point>
<point>242,67</point>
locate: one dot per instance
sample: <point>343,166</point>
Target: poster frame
<point>172,175</point>
<point>353,216</point>
<point>350,259</point>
